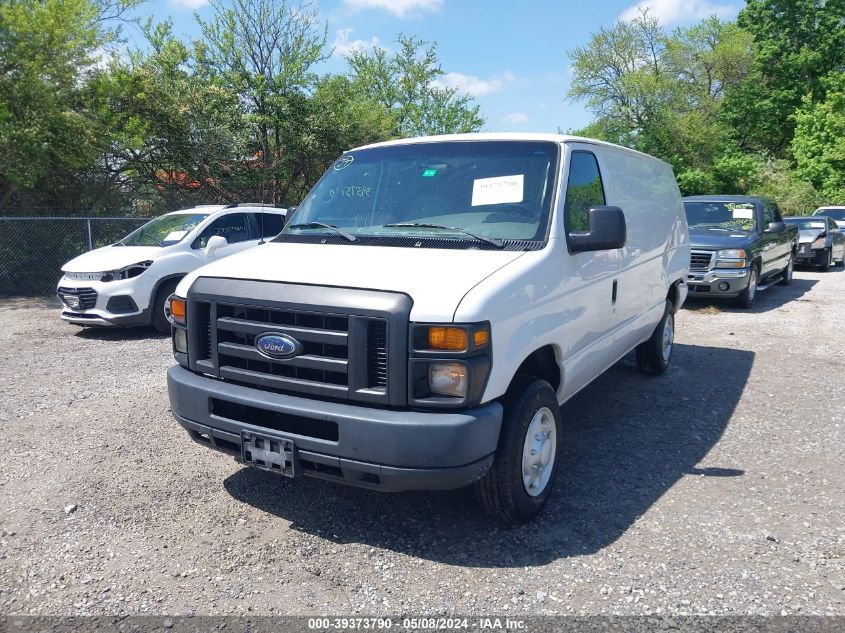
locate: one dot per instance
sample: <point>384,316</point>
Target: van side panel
<point>657,250</point>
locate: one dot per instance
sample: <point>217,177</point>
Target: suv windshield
<point>726,216</point>
<point>165,230</point>
<point>836,214</point>
<point>481,193</point>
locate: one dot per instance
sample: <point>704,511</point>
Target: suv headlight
<point>127,272</point>
<point>730,258</point>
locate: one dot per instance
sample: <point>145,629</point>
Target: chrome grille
<point>701,261</point>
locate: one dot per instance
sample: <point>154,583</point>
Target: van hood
<point>435,279</point>
<point>714,239</point>
<point>112,258</point>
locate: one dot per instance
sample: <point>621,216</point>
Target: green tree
<point>405,83</point>
<point>819,142</point>
<point>264,51</point>
<point>796,44</point>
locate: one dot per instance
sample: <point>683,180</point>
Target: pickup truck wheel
<point>520,481</point>
<point>827,260</point>
<point>158,319</point>
<point>787,272</point>
<point>747,296</point>
<point>654,356</point>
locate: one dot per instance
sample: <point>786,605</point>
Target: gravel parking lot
<point>717,488</point>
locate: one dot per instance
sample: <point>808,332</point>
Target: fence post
<point>90,241</point>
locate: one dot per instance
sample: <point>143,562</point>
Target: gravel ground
<point>716,489</point>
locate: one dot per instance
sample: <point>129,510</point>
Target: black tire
<point>786,279</point>
<point>653,357</point>
<point>749,293</point>
<point>502,492</point>
<point>158,320</point>
<point>827,260</point>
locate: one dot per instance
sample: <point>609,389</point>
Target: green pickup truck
<point>740,245</point>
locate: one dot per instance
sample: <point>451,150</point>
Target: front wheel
<point>827,260</point>
<point>159,319</point>
<point>654,356</point>
<point>747,296</point>
<point>787,272</point>
<point>520,481</point>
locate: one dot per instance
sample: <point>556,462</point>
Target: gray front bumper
<point>384,449</point>
<point>707,283</point>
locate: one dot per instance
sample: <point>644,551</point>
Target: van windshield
<point>481,194</point>
<point>165,230</point>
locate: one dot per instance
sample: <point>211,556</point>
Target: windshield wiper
<point>426,225</point>
<point>322,225</point>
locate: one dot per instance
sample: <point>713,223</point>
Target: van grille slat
<point>323,367</point>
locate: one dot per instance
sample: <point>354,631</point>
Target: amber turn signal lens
<point>176,311</point>
<point>448,338</point>
<point>481,338</point>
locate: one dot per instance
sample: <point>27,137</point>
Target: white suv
<point>128,282</point>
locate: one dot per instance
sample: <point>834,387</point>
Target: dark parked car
<point>740,245</point>
<point>820,241</point>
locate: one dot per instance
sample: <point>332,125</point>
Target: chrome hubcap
<point>668,336</point>
<point>752,285</point>
<point>538,452</point>
<point>789,268</point>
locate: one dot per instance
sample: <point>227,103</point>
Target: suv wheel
<point>520,481</point>
<point>158,319</point>
<point>654,356</point>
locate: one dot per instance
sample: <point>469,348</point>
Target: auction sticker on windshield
<point>499,190</point>
<point>743,214</point>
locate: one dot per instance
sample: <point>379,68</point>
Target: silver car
<point>821,241</point>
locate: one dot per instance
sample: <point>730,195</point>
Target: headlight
<point>819,243</point>
<point>127,272</point>
<point>175,310</point>
<point>448,379</point>
<point>180,340</point>
<point>730,258</point>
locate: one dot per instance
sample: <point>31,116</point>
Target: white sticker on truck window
<point>499,190</point>
<point>743,214</point>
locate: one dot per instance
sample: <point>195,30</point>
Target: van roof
<point>509,136</point>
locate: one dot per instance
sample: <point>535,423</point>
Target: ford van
<point>427,309</point>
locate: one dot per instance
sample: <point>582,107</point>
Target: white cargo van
<point>426,310</point>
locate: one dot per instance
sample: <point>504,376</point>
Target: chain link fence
<point>33,249</point>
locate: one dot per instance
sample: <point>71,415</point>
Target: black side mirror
<point>775,227</point>
<point>608,231</point>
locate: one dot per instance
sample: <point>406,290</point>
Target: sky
<point>511,55</point>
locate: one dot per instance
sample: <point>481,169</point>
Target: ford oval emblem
<point>274,345</point>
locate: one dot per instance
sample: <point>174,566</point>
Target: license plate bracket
<point>269,452</point>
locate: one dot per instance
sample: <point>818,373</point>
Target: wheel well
<point>161,283</point>
<point>542,363</point>
<point>672,295</point>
